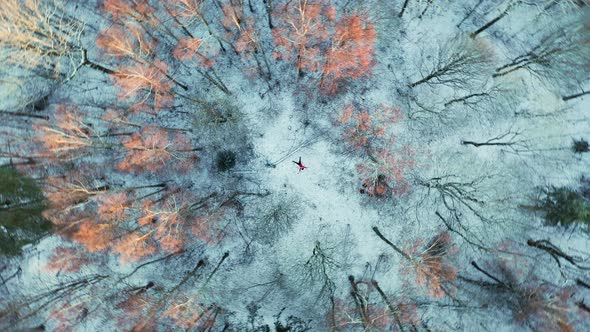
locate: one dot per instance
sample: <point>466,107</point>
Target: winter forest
<point>295,165</point>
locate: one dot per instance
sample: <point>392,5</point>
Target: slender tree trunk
<point>401,252</point>
<point>392,309</point>
<point>401,13</point>
<point>183,86</point>
<point>464,98</point>
<point>223,258</point>
<point>425,79</point>
<point>12,164</point>
<point>583,306</point>
<point>425,9</point>
<point>555,252</point>
<point>511,70</point>
<point>93,65</point>
<point>474,264</point>
<point>582,283</point>
<point>577,95</point>
<point>494,21</point>
<point>219,84</point>
<point>182,26</point>
<point>211,33</point>
<point>266,64</point>
<point>517,61</point>
<point>360,303</point>
<point>24,114</point>
<point>269,13</point>
<point>476,144</point>
<point>99,67</point>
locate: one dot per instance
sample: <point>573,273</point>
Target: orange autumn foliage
<point>134,246</point>
<point>371,132</point>
<point>113,207</point>
<point>187,48</point>
<point>128,41</point>
<point>65,192</point>
<point>162,225</point>
<point>350,54</point>
<point>189,315</point>
<point>135,307</point>
<point>186,9</point>
<point>93,235</point>
<point>430,265</point>
<point>301,29</point>
<point>139,10</point>
<point>239,28</point>
<point>194,48</point>
<point>68,259</point>
<point>63,317</point>
<point>152,147</point>
<point>166,221</point>
<point>363,126</point>
<point>69,135</point>
<point>547,308</point>
<point>534,302</point>
<point>385,172</point>
<point>308,33</point>
<point>145,83</point>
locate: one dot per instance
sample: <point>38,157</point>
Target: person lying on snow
<point>300,164</point>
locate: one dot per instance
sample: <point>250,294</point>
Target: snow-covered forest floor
<point>148,183</point>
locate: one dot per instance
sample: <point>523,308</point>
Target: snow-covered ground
<point>326,233</point>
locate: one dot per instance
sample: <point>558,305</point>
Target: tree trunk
<point>93,65</point>
<point>511,70</point>
<point>401,252</point>
<point>474,264</point>
<point>464,98</point>
<point>425,9</point>
<point>401,13</point>
<point>494,21</point>
<point>24,114</point>
<point>577,95</point>
<point>476,144</point>
<point>269,13</point>
<point>360,304</point>
<point>426,79</point>
<point>392,309</point>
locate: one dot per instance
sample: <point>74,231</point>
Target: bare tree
<point>574,96</point>
<point>320,266</point>
<point>277,217</point>
<point>458,63</point>
<point>460,199</point>
<point>511,5</point>
<point>561,55</point>
<point>489,100</point>
<point>40,36</point>
<point>515,285</point>
<point>507,139</point>
<point>401,13</point>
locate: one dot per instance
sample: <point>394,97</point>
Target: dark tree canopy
<point>21,204</point>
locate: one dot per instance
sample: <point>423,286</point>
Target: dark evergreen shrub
<point>565,206</point>
<point>21,205</point>
<point>225,160</point>
<point>580,146</point>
